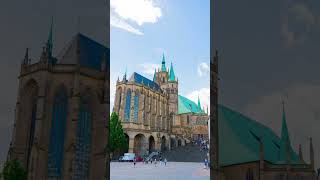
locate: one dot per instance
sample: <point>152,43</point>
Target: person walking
<point>160,160</point>
<point>134,162</point>
<point>165,161</point>
<point>205,163</point>
<point>155,162</point>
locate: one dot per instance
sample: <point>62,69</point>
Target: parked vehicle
<point>139,159</point>
<point>120,158</point>
<point>128,157</point>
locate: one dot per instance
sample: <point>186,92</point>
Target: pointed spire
<point>26,59</point>
<point>311,154</point>
<point>154,76</point>
<point>172,76</point>
<point>49,44</point>
<point>300,154</point>
<point>163,64</point>
<point>199,105</point>
<point>285,147</point>
<point>125,75</point>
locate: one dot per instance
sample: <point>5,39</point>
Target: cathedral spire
<point>154,76</point>
<point>163,64</point>
<point>285,147</point>
<point>49,44</point>
<point>172,76</point>
<point>199,105</point>
<point>26,59</point>
<point>125,75</point>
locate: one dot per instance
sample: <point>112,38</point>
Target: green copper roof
<point>239,140</point>
<point>163,66</point>
<point>172,77</point>
<point>185,105</point>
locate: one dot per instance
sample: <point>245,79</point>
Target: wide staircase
<point>187,153</point>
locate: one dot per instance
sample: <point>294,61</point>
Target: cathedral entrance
<point>139,142</point>
<point>163,143</point>
<point>151,144</point>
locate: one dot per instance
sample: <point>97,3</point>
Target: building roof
<point>185,105</point>
<point>172,76</point>
<point>239,140</point>
<point>137,78</point>
<point>91,52</point>
<point>163,64</point>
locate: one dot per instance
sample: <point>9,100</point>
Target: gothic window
<point>83,143</point>
<point>249,175</point>
<point>136,107</point>
<point>32,126</point>
<point>127,107</point>
<point>120,94</point>
<point>57,134</point>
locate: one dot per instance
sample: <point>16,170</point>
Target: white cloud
<point>139,11</point>
<point>119,23</point>
<point>203,69</point>
<point>148,68</point>
<point>204,95</point>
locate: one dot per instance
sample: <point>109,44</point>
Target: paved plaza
<point>173,170</point>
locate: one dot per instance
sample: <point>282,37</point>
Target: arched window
<point>127,107</point>
<point>83,143</point>
<point>249,175</point>
<point>120,97</point>
<point>57,134</point>
<point>136,107</point>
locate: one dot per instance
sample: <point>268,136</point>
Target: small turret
<point>163,64</point>
<point>26,60</point>
<point>300,154</point>
<point>311,154</point>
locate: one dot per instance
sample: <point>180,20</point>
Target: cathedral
<point>154,115</point>
<point>243,148</point>
<point>60,131</point>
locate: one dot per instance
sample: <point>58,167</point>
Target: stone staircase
<point>188,153</point>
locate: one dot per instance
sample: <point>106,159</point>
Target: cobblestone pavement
<point>173,170</point>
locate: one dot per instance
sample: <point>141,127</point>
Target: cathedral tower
<point>59,129</point>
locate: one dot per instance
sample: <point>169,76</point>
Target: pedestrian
<point>205,163</point>
<point>160,160</point>
<point>134,162</point>
<point>165,161</point>
<point>155,162</point>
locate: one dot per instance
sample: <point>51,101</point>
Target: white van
<point>128,157</point>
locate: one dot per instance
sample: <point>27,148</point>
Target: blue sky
<point>142,30</point>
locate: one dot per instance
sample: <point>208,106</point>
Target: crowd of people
<point>162,161</point>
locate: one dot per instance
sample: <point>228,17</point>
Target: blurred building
<point>59,129</point>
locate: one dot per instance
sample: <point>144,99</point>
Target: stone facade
<point>36,116</point>
<point>154,123</point>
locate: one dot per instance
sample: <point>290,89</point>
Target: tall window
<point>136,107</point>
<point>120,94</point>
<point>249,175</point>
<point>127,107</point>
<point>32,127</point>
<point>83,143</point>
<point>57,134</point>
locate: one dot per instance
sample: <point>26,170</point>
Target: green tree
<point>117,139</point>
<point>13,170</point>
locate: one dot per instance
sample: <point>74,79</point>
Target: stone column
<point>131,144</point>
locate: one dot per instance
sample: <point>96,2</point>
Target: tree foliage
<point>13,170</point>
<point>117,138</point>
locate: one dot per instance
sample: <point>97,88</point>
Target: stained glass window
<point>57,134</point>
<point>127,107</point>
<point>83,143</point>
<point>136,107</point>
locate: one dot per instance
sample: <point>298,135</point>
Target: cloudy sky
<point>26,24</point>
<point>142,30</point>
<point>269,50</point>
